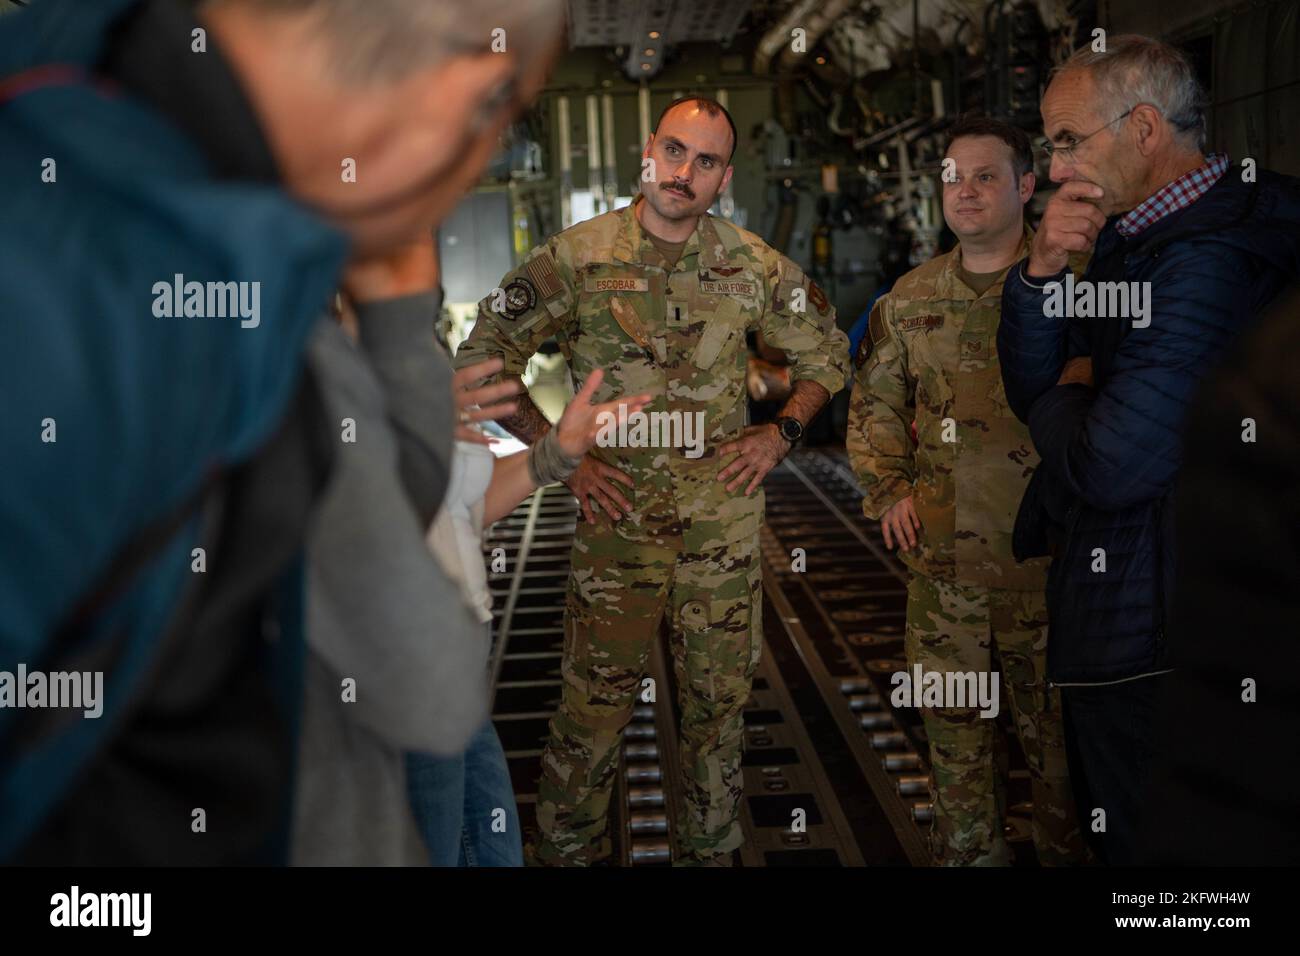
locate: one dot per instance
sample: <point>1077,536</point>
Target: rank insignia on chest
<point>920,322</point>
<point>520,297</point>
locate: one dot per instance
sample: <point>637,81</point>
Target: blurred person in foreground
<point>188,184</point>
<point>1226,780</point>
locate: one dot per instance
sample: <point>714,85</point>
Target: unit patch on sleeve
<point>817,297</point>
<point>874,336</point>
<point>863,353</point>
<point>521,297</point>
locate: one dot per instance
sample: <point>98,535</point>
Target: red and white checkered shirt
<point>1179,194</point>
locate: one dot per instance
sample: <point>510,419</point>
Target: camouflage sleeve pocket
<point>888,438</point>
<point>931,377</point>
<point>723,324</point>
<point>789,277</point>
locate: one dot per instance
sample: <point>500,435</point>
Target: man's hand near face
<point>1071,223</point>
<point>404,271</point>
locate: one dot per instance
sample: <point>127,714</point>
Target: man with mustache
<point>949,502</point>
<point>660,295</point>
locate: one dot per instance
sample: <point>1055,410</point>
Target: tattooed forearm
<point>528,424</point>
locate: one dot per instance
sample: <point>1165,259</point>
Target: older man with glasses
<point>1205,246</point>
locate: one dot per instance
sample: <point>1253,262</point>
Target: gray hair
<point>379,41</point>
<point>1137,69</point>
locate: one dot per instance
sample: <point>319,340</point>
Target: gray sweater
<point>380,610</point>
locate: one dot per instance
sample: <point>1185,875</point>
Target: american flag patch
<point>542,271</point>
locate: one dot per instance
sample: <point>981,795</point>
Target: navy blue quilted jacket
<point>1111,453</point>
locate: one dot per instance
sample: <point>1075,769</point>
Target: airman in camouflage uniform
<point>930,356</point>
<point>689,547</point>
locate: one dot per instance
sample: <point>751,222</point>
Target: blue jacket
<point>144,410</point>
<point>1111,453</point>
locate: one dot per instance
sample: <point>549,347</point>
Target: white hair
<point>1136,69</point>
<point>379,41</point>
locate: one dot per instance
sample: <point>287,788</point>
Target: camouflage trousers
<point>617,597</point>
<point>953,627</point>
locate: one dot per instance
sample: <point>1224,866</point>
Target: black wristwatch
<point>791,429</point>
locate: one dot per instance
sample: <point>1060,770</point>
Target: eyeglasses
<point>1067,152</point>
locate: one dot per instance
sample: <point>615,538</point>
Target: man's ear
<point>726,178</point>
<point>649,142</point>
<point>1027,183</point>
<point>1147,131</point>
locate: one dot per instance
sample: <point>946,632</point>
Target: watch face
<point>791,430</point>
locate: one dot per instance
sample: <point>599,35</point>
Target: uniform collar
<point>706,241</point>
<point>949,284</point>
<point>631,245</point>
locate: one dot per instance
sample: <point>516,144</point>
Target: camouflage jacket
<point>600,288</point>
<point>930,355</point>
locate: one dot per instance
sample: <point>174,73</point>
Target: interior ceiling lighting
<point>645,60</point>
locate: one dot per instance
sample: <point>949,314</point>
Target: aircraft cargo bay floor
<point>820,733</point>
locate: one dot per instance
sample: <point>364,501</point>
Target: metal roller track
<point>872,631</point>
<point>781,774</point>
<point>650,771</point>
<point>852,605</point>
<point>784,774</point>
<point>844,611</point>
<point>883,756</point>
